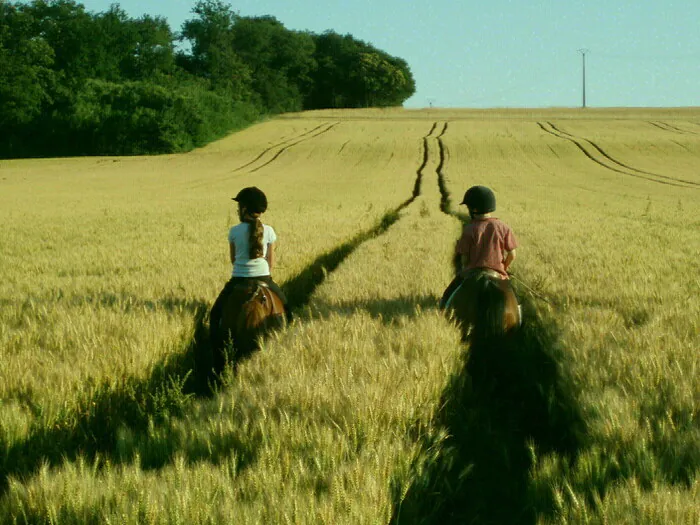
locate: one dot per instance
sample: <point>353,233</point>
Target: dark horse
<point>484,305</point>
<point>249,310</point>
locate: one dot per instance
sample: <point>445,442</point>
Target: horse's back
<point>486,298</point>
<point>250,308</point>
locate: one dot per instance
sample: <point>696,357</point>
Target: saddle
<point>469,279</point>
<point>260,291</point>
<point>477,273</point>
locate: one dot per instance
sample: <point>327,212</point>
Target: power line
<point>648,57</point>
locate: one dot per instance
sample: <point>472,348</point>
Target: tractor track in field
<point>284,144</point>
<point>302,138</point>
<point>91,429</point>
<point>485,458</point>
<point>444,155</point>
<point>595,153</point>
<point>425,158</point>
<point>445,203</point>
<point>682,146</point>
<point>300,288</point>
<point>683,130</point>
<point>660,125</point>
<point>673,129</point>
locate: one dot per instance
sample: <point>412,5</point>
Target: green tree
<point>69,30</point>
<point>76,82</point>
<point>334,54</point>
<point>130,49</point>
<point>384,83</point>
<point>153,54</point>
<point>280,61</point>
<point>213,56</point>
<point>352,73</point>
<point>26,77</point>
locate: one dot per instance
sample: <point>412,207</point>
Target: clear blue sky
<point>505,53</point>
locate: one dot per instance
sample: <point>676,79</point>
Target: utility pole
<point>583,59</point>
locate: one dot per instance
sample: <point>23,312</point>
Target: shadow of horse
<point>511,401</point>
<point>90,429</point>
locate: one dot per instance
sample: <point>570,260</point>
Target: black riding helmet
<point>252,199</point>
<point>480,199</point>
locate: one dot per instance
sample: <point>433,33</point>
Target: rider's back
<point>243,265</point>
<point>485,242</point>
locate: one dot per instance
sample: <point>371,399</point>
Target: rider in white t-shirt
<point>239,241</point>
<point>251,247</point>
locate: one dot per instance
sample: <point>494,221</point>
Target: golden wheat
<point>107,261</point>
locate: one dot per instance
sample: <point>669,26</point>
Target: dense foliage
<point>74,82</point>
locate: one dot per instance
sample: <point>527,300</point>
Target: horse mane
<point>489,318</point>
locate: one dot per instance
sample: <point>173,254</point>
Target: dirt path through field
<point>485,459</point>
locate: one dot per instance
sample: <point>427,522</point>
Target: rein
<point>532,292</point>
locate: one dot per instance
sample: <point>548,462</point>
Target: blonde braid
<point>255,240</point>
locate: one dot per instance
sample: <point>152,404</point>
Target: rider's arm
<point>270,256</point>
<point>510,257</point>
<point>232,252</point>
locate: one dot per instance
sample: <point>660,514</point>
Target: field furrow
<point>649,149</point>
<point>287,146</point>
<point>675,129</point>
<point>597,155</point>
<point>283,144</point>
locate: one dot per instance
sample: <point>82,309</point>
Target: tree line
<point>73,82</point>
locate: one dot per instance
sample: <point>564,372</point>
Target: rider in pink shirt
<point>487,243</point>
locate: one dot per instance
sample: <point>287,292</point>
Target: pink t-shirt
<point>484,242</point>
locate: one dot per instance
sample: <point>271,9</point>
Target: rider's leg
<point>215,314</point>
<point>520,307</point>
<point>275,288</point>
<point>456,282</point>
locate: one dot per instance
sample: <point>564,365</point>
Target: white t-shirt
<point>243,266</point>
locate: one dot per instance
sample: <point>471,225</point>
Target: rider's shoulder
<point>269,232</point>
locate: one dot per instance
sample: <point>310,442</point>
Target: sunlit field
<point>361,411</point>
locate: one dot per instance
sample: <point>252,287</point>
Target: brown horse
<point>250,310</point>
<point>484,305</point>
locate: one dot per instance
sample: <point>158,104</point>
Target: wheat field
<point>362,410</point>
